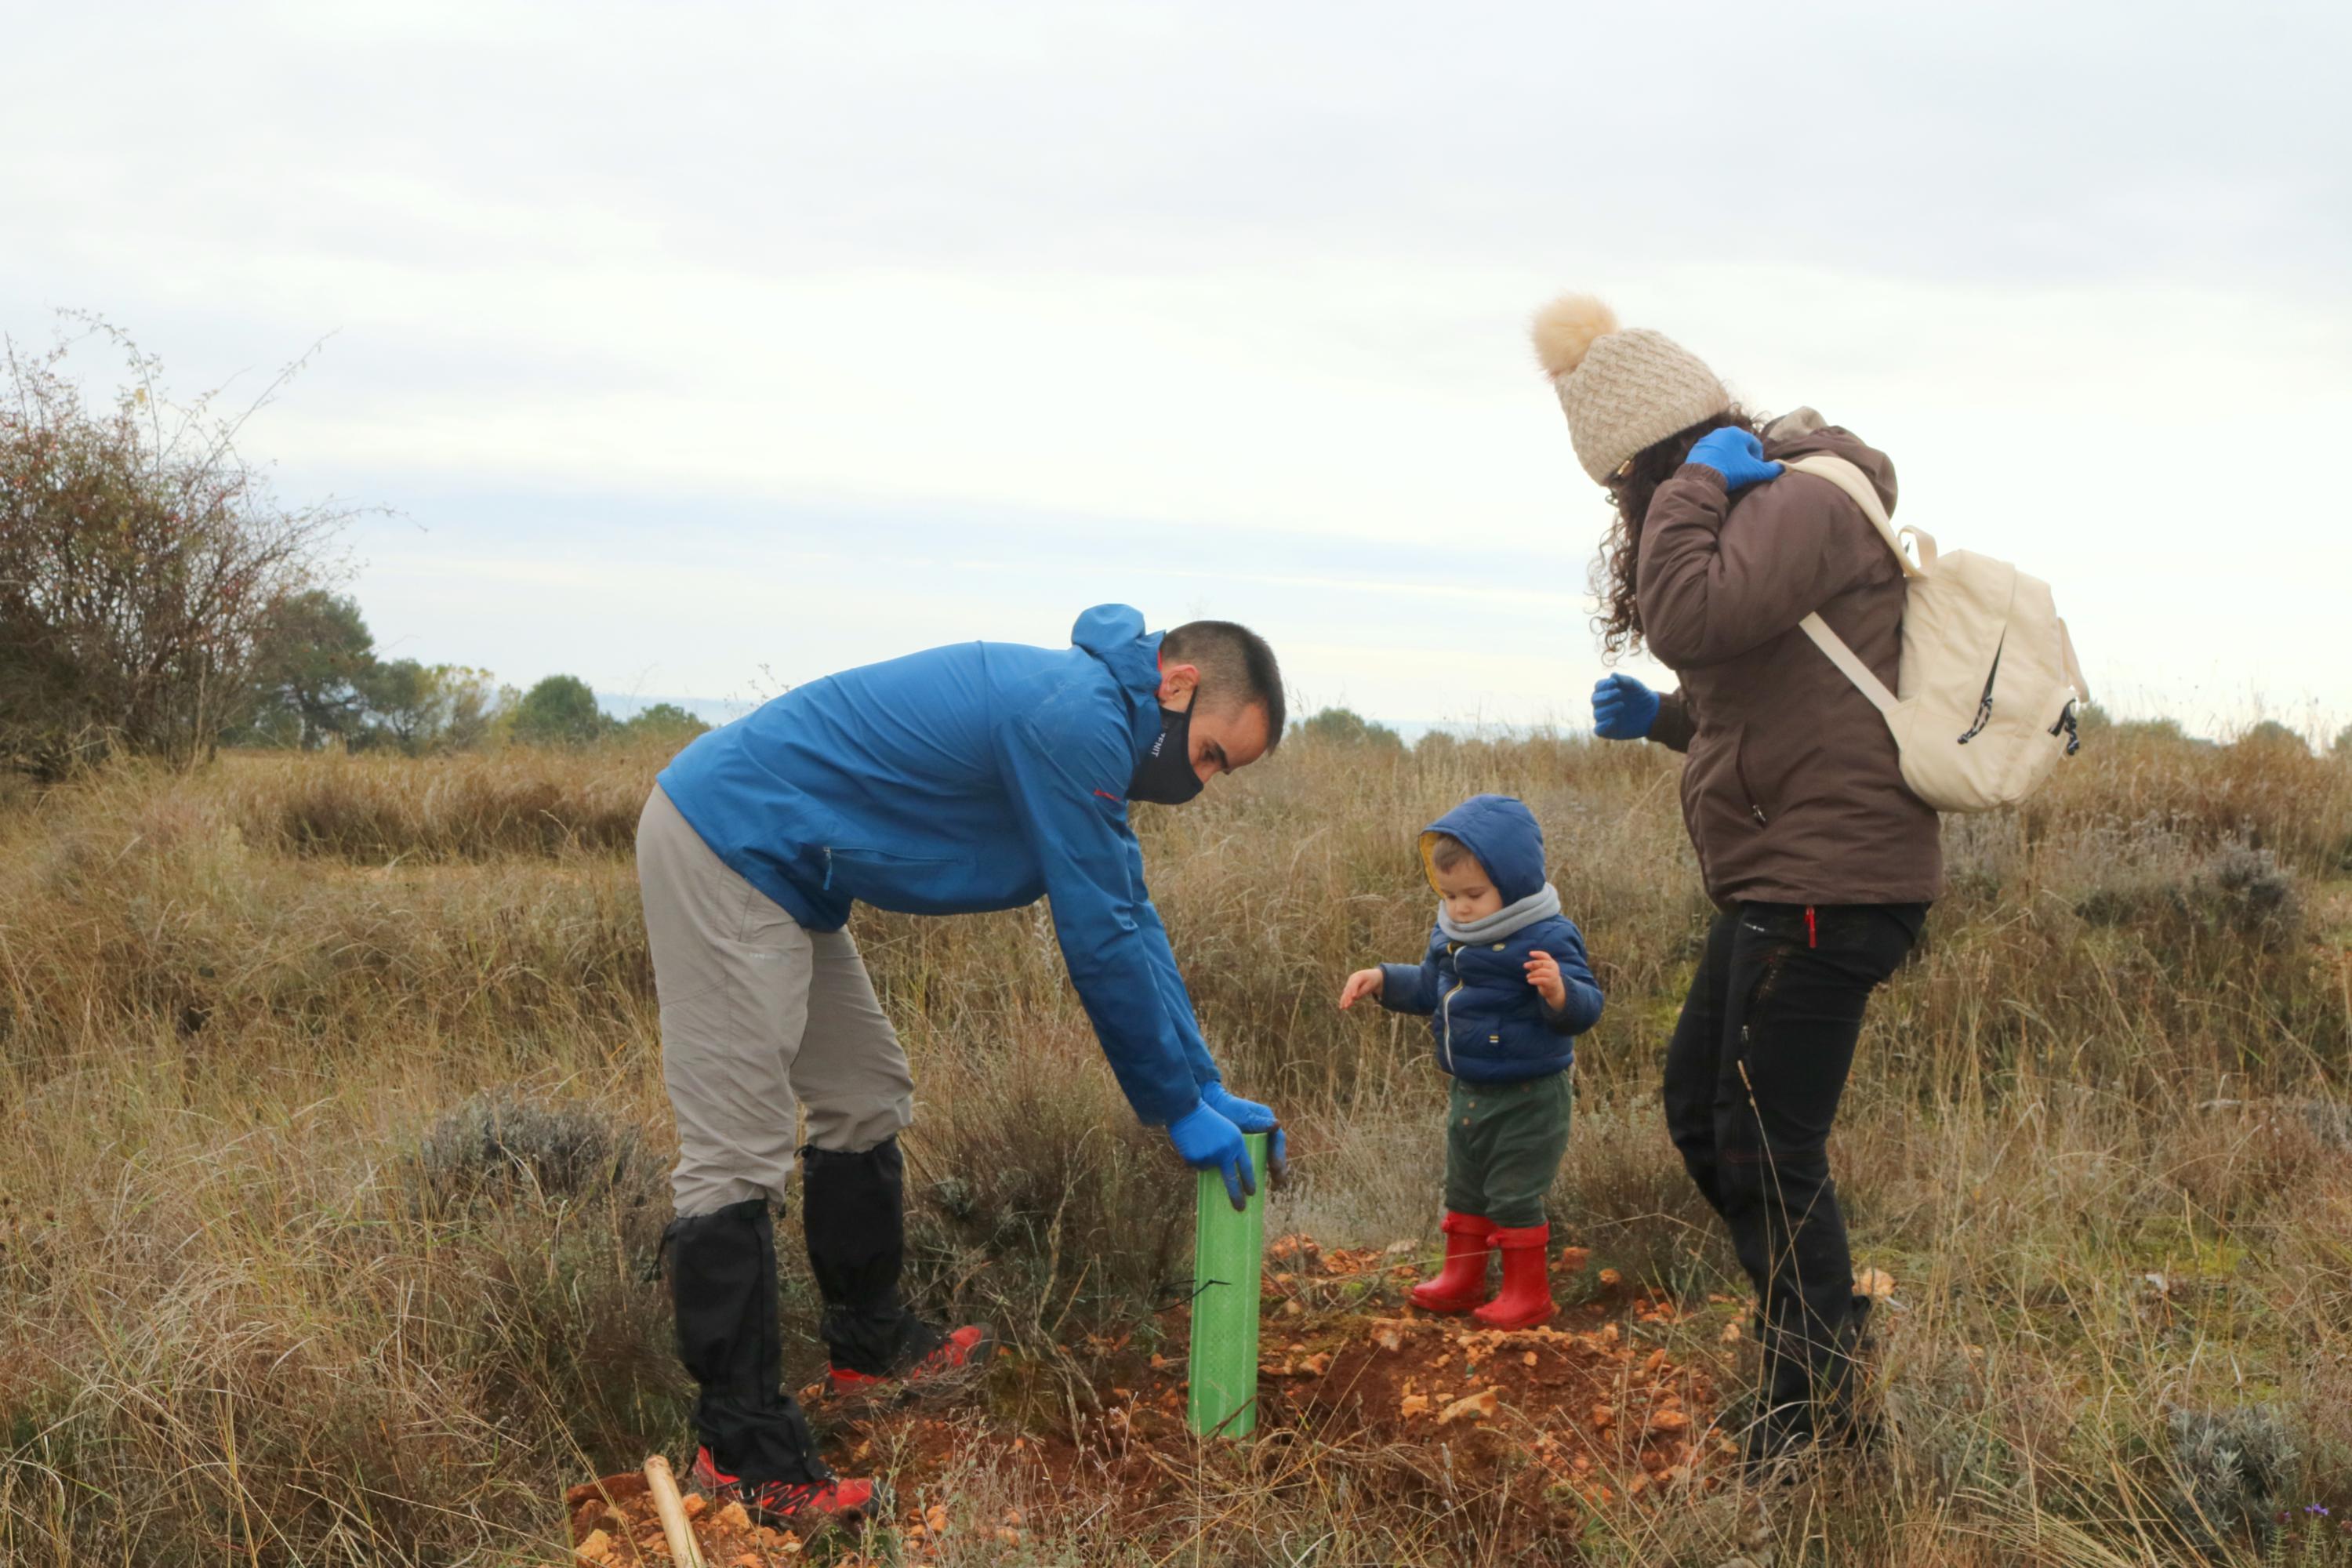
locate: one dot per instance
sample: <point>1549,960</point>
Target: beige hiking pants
<point>757,1013</point>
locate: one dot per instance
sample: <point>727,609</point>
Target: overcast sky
<point>702,349</point>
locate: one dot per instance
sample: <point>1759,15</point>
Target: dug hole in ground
<point>1591,1411</point>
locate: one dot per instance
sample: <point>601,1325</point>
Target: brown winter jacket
<point>1793,793</point>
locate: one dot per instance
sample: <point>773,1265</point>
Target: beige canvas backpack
<point>1989,683</point>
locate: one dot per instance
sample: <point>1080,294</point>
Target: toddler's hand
<point>1363,984</point>
<point>1543,973</point>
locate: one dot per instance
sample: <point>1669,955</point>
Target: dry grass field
<point>333,1148</point>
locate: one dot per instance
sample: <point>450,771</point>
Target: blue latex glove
<point>1623,708</point>
<point>1737,455</point>
<point>1208,1140</point>
<point>1250,1117</point>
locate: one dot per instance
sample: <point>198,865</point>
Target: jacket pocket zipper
<point>1445,1017</point>
<point>1739,776</point>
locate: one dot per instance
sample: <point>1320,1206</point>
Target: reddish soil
<point>1580,1413</point>
<point>1575,1412</point>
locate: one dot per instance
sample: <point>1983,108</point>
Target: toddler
<point>1505,989</point>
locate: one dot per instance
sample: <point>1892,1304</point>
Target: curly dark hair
<point>1614,569</point>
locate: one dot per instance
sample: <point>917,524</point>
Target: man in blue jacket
<point>972,777</point>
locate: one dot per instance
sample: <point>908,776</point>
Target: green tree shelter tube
<point>1228,1248</point>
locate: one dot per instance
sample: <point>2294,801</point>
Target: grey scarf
<point>1540,905</point>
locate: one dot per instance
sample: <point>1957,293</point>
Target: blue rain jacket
<point>978,776</point>
<point>1489,1022</point>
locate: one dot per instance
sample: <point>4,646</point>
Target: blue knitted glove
<point>1208,1141</point>
<point>1623,708</point>
<point>1735,454</point>
<point>1250,1117</point>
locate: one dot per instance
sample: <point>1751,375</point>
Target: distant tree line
<point>156,599</point>
<point>1345,727</point>
<point>317,681</point>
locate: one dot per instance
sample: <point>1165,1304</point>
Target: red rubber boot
<point>1525,1299</point>
<point>1462,1284</point>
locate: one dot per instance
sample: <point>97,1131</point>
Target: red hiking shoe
<point>964,1351</point>
<point>803,1507</point>
<point>1462,1283</point>
<point>1525,1299</point>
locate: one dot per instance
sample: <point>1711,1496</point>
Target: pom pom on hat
<point>1564,331</point>
<point>1623,389</point>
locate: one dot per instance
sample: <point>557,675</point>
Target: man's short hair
<point>1236,668</point>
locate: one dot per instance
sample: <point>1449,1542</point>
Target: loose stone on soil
<point>1478,1406</point>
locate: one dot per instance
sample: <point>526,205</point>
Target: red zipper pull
<point>1812,931</point>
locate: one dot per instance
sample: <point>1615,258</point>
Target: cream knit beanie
<point>1621,390</point>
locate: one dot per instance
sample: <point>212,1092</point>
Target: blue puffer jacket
<point>978,776</point>
<point>1490,1024</point>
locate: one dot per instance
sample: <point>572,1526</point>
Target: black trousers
<point>1754,1074</point>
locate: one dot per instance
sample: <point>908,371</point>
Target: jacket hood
<point>1801,432</point>
<point>1115,635</point>
<point>1504,834</point>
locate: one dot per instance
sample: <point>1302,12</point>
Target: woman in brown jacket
<point>1821,863</point>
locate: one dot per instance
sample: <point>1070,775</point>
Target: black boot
<point>722,1276</point>
<point>856,1212</point>
<point>1862,1422</point>
<point>1811,1387</point>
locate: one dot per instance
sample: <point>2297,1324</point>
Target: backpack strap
<point>1864,494</point>
<point>1864,679</point>
<point>1858,487</point>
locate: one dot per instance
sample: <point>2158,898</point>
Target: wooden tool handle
<point>676,1530</point>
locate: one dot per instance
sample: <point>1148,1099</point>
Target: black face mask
<point>1165,775</point>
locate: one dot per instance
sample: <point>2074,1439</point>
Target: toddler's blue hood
<point>1504,836</point>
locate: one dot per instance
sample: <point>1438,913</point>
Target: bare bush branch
<point>142,558</point>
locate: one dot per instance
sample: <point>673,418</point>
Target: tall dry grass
<point>335,1150</point>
